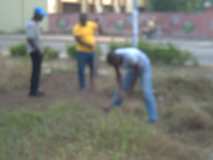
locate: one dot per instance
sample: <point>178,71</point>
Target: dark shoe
<point>38,94</point>
<point>152,121</point>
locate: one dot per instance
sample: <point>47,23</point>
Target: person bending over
<point>137,66</point>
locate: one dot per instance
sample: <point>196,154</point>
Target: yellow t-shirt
<point>87,34</point>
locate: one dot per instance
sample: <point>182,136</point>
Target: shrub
<point>166,53</point>
<point>19,50</point>
<point>50,53</point>
<point>71,51</point>
<point>162,53</point>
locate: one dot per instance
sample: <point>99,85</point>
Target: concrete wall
<point>15,13</point>
<point>199,25</point>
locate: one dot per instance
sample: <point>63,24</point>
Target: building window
<point>108,8</point>
<point>71,7</point>
<point>142,5</point>
<point>122,5</point>
<point>107,5</point>
<point>91,6</point>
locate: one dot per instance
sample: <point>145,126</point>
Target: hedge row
<point>162,53</point>
<point>159,53</point>
<point>20,50</point>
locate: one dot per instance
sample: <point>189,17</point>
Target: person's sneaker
<point>152,121</point>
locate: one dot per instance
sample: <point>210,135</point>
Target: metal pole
<point>135,23</point>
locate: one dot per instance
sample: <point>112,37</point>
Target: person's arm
<point>120,92</point>
<point>31,35</point>
<point>100,29</point>
<point>78,38</point>
<point>33,44</point>
<point>81,42</point>
<point>118,77</point>
<point>136,73</point>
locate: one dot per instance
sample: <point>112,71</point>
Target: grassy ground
<point>66,124</point>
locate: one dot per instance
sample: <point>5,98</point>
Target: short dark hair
<point>37,17</point>
<point>112,57</point>
<point>83,18</point>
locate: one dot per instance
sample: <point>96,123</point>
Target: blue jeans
<point>83,60</point>
<point>146,86</point>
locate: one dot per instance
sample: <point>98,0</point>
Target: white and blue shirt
<point>133,56</point>
<point>33,32</point>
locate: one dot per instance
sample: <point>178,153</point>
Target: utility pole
<point>135,23</point>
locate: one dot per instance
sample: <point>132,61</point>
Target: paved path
<point>202,49</point>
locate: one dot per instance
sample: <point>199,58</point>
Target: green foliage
<point>50,53</point>
<point>19,50</point>
<point>71,131</point>
<point>71,51</point>
<point>162,54</point>
<point>176,5</point>
<point>166,54</point>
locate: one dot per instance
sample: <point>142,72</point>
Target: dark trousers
<point>36,58</point>
<point>85,59</point>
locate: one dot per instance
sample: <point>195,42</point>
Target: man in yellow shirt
<point>85,36</point>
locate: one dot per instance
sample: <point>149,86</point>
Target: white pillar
<point>135,24</point>
<point>98,6</point>
<point>116,6</point>
<point>129,6</point>
<point>84,6</point>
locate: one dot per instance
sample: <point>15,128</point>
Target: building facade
<point>95,6</point>
<point>15,13</point>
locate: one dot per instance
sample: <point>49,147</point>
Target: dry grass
<point>67,124</point>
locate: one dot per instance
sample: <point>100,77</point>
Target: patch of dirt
<point>58,87</point>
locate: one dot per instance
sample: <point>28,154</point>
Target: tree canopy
<point>177,5</point>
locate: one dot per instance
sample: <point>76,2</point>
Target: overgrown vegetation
<point>66,124</point>
<point>159,53</point>
<point>177,5</point>
<point>50,53</point>
<point>162,53</point>
<point>77,132</point>
<point>20,50</point>
<point>14,74</point>
<point>71,51</point>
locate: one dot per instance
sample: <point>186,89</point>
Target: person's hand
<point>117,98</point>
<point>40,53</point>
<point>37,50</point>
